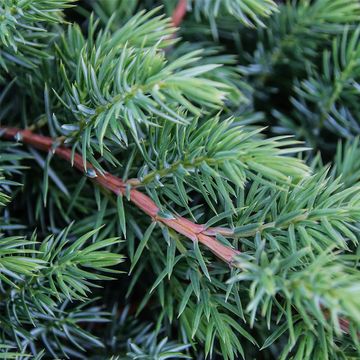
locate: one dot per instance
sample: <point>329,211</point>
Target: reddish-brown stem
<point>195,232</point>
<point>344,325</point>
<point>179,13</point>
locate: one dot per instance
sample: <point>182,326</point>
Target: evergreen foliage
<point>315,44</point>
<point>216,211</point>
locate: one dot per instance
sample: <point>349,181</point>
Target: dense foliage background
<point>239,127</point>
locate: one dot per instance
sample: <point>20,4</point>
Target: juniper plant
<point>147,211</point>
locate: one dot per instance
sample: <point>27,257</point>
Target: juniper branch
<point>195,232</point>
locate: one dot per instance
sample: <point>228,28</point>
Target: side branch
<point>195,232</point>
<point>179,13</point>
